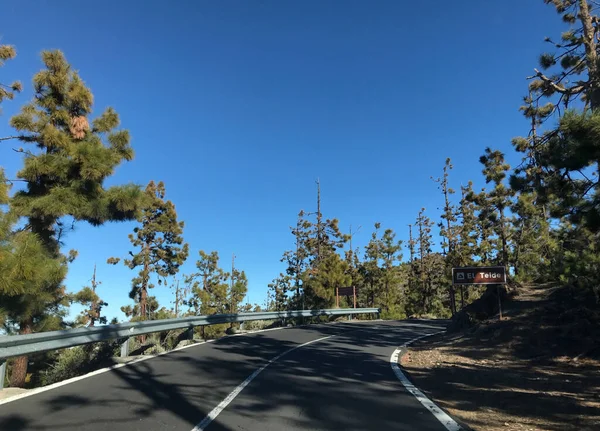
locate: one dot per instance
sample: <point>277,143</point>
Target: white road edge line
<point>134,361</point>
<point>440,415</point>
<point>217,410</point>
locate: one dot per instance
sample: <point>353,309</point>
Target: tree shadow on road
<point>181,388</point>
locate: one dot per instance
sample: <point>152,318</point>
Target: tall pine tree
<point>93,305</point>
<point>448,230</point>
<point>160,249</point>
<point>209,285</point>
<point>64,175</point>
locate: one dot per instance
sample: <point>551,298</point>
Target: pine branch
<point>13,181</point>
<point>21,150</point>
<point>556,87</point>
<point>12,137</point>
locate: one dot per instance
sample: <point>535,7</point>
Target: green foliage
<point>557,180</point>
<point>277,295</point>
<point>76,361</point>
<point>331,273</point>
<point>214,291</point>
<point>65,176</point>
<point>92,313</point>
<point>31,290</point>
<point>383,279</point>
<point>493,205</point>
<point>428,285</point>
<point>92,303</point>
<point>133,312</point>
<point>7,91</point>
<point>238,290</point>
<point>315,242</point>
<point>467,228</point>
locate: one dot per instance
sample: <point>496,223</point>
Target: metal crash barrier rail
<point>21,345</point>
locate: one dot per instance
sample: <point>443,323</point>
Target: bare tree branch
<point>11,137</point>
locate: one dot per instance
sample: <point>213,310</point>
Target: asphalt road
<point>344,382</point>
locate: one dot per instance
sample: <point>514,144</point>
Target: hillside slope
<point>537,369</point>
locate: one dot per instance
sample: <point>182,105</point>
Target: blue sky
<point>239,106</point>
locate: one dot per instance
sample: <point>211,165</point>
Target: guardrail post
<point>242,326</point>
<point>189,334</point>
<point>125,348</point>
<point>2,372</point>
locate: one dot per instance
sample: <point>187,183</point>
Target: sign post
<point>482,275</point>
<point>345,291</point>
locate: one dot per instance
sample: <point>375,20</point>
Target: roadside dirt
<point>538,369</point>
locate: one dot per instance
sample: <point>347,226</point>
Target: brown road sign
<point>479,275</point>
<point>345,291</point>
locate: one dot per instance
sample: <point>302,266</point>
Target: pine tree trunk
<point>19,369</point>
<point>452,301</point>
<point>591,57</point>
<point>143,307</point>
<point>144,291</point>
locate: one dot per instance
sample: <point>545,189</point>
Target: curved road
<point>342,382</point>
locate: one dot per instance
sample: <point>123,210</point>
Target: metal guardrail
<point>21,345</point>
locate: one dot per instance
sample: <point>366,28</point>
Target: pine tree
<point>384,281</point>
<point>561,163</point>
<point>133,312</point>
<point>31,279</point>
<point>413,271</point>
<point>370,269</point>
<point>297,260</point>
<point>467,231</point>
<point>499,200</point>
<point>238,289</point>
<point>278,293</point>
<point>355,271</point>
<point>159,242</point>
<point>332,272</point>
<point>326,236</point>
<point>533,245</point>
<point>393,280</point>
<point>467,228</point>
<point>325,242</point>
<point>428,278</point>
<point>314,242</point>
<point>209,285</point>
<point>448,230</point>
<point>424,242</point>
<point>32,296</point>
<point>64,177</point>
<point>182,289</point>
<point>576,57</point>
<point>88,297</point>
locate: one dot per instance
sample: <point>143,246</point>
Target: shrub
<point>77,361</point>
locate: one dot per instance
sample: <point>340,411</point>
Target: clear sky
<point>239,106</point>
